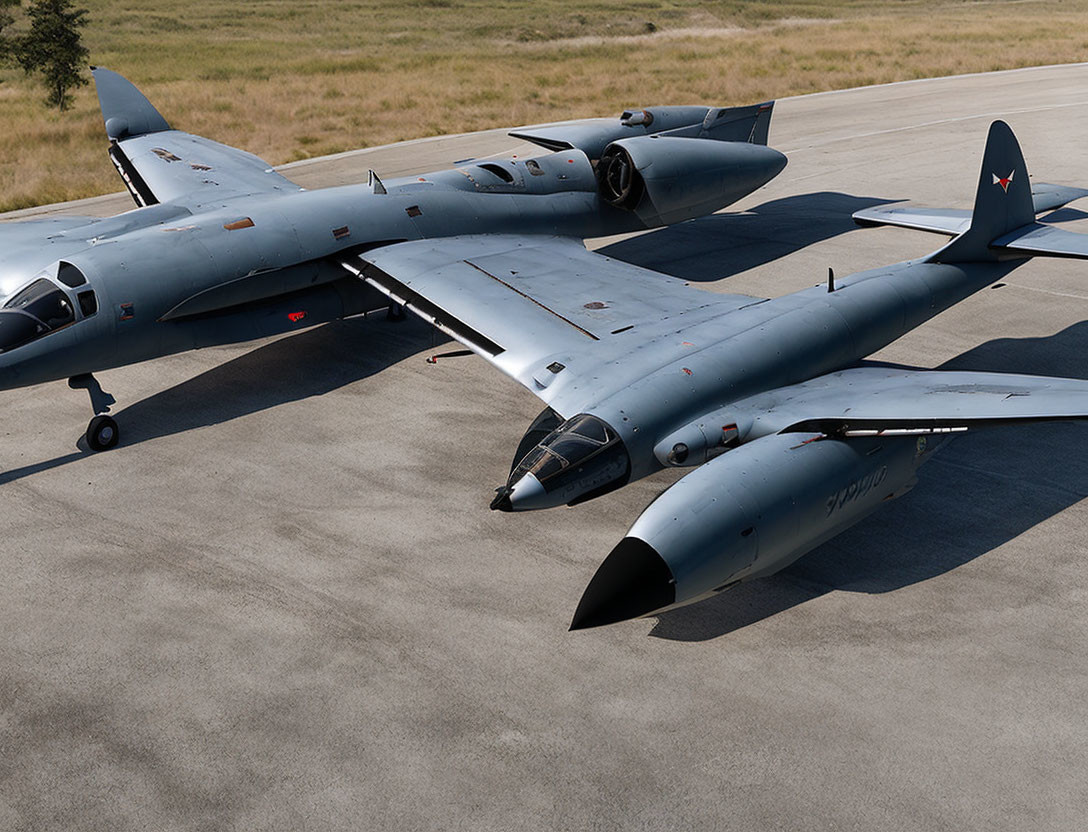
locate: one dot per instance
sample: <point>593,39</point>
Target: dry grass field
<point>288,79</point>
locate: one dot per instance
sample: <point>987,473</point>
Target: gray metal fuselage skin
<point>754,508</point>
<point>780,341</point>
<point>763,504</point>
<point>170,277</point>
<point>794,440</point>
<point>144,263</point>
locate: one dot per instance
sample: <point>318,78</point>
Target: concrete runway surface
<point>282,603</point>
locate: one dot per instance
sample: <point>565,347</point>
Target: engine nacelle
<point>665,179</point>
<point>746,514</point>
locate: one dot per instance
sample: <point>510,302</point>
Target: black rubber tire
<point>102,433</point>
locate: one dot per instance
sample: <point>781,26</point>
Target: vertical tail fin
<point>1003,201</point>
<point>125,109</point>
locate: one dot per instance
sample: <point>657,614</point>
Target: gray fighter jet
<point>223,249</point>
<point>792,437</point>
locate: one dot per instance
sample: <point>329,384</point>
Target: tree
<point>7,47</point>
<point>53,48</point>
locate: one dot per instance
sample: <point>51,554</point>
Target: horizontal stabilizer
<point>1047,197</point>
<point>952,221</point>
<point>733,124</point>
<point>1038,239</point>
<point>863,401</point>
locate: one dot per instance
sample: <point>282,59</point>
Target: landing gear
<point>102,432</point>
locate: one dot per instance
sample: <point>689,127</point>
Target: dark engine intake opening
<point>620,182</point>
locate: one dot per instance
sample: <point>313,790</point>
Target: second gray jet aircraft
<point>793,439</point>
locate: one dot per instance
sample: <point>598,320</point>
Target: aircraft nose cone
<point>526,494</point>
<point>632,581</point>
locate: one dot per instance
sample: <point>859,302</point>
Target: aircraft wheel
<point>102,433</point>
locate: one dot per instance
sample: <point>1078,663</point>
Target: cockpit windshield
<point>44,301</point>
<point>574,441</point>
<point>40,308</point>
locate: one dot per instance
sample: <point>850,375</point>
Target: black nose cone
<point>634,580</point>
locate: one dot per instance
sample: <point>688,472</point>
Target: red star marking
<point>1004,182</point>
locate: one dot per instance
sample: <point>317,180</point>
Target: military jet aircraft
<point>222,249</point>
<point>793,437</point>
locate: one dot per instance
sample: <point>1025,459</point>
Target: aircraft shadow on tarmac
<point>979,492</point>
<point>290,369</point>
<point>722,245</point>
<point>296,367</point>
<point>1065,215</point>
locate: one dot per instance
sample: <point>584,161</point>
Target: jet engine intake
<point>621,183</point>
<point>666,179</point>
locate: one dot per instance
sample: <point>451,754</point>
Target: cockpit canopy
<point>571,443</point>
<point>43,307</point>
<point>581,458</point>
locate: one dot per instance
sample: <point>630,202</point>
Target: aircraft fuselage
<point>167,279</point>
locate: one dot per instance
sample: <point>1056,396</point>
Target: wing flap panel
<point>401,293</point>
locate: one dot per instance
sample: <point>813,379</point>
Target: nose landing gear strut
<point>102,432</point>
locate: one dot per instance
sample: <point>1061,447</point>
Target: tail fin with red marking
<point>1003,201</point>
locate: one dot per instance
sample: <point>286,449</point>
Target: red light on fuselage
<point>295,317</point>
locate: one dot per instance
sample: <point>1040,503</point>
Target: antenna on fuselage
<point>375,183</point>
<point>830,279</point>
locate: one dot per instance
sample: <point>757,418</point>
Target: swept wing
<point>541,309</point>
<point>1045,197</point>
